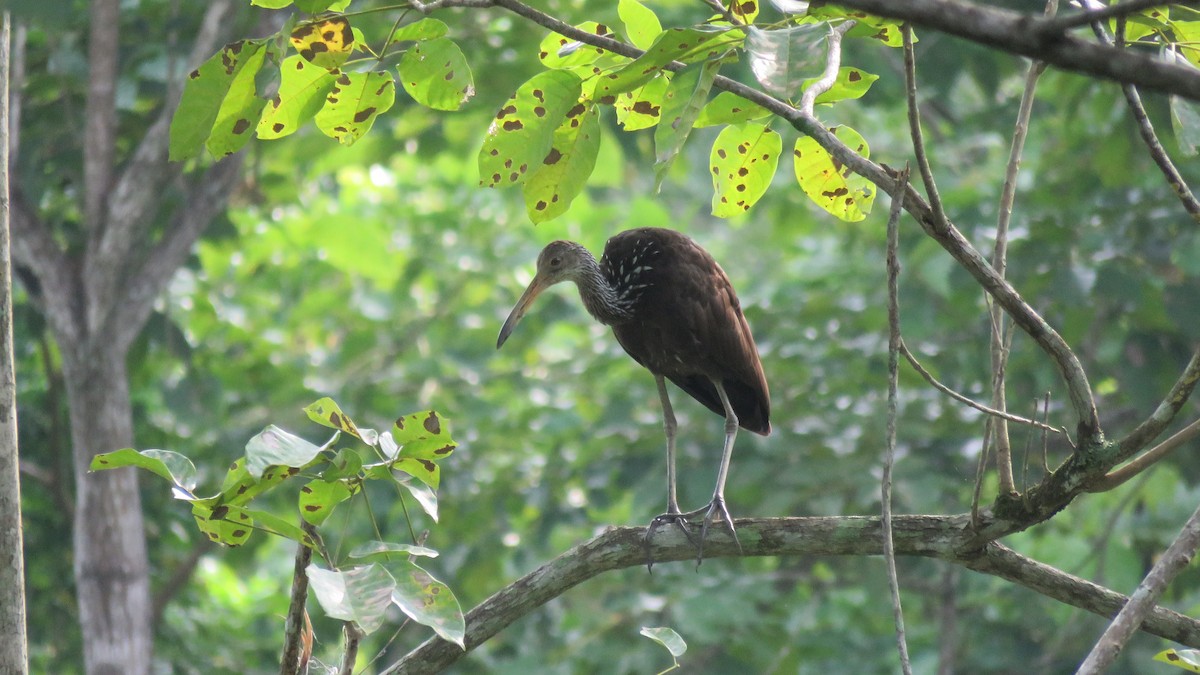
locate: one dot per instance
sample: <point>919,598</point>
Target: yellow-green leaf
<point>353,103</point>
<point>683,44</point>
<point>423,29</point>
<point>223,524</point>
<point>831,184</point>
<point>318,499</point>
<point>240,111</point>
<point>727,108</point>
<point>642,107</point>
<point>325,42</point>
<point>563,173</point>
<point>435,73</point>
<point>685,96</point>
<point>641,23</point>
<point>520,137</point>
<point>744,10</point>
<point>302,91</point>
<point>851,83</point>
<point>743,162</point>
<point>1187,659</point>
<point>204,96</point>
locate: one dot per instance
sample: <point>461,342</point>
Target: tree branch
<point>1025,35</point>
<point>1145,460</point>
<point>1163,414</point>
<point>100,113</point>
<point>943,537</point>
<point>1054,26</point>
<point>34,249</point>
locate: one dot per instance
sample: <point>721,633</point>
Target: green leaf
<point>425,470</point>
<point>240,111</point>
<point>326,412</point>
<point>870,26</point>
<point>667,638</point>
<point>428,602</point>
<point>523,131</point>
<point>1185,120</point>
<point>359,594</point>
<point>743,162</point>
<point>313,6</point>
<point>318,499</point>
<point>204,96</point>
<point>681,106</point>
<point>419,426</point>
<point>436,74</point>
<point>851,83</point>
<point>558,51</point>
<point>746,11</point>
<point>641,23</point>
<point>642,107</point>
<point>384,549</point>
<point>553,185</point>
<point>223,524</point>
<point>239,487</point>
<point>830,184</point>
<point>424,495</point>
<point>302,91</point>
<point>682,44</point>
<point>269,522</point>
<point>271,4</point>
<point>727,108</point>
<point>1187,659</point>
<point>422,29</point>
<point>274,446</point>
<point>353,104</point>
<point>346,464</point>
<point>170,465</point>
<point>326,42</point>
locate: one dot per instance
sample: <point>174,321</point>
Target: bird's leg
<point>673,514</point>
<point>717,505</point>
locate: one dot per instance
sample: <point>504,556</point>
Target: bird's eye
<point>555,262</point>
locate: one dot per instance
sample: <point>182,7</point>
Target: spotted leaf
<point>745,11</point>
<point>302,91</point>
<point>326,43</point>
<point>353,103</point>
<point>831,184</point>
<point>205,94</point>
<point>435,73</point>
<point>1187,659</point>
<point>641,23</point>
<point>677,44</point>
<point>727,108</point>
<point>870,26</point>
<point>360,594</point>
<point>273,524</point>
<point>642,107</point>
<point>743,162</point>
<point>558,51</point>
<point>239,486</point>
<point>422,29</point>
<point>326,412</point>
<point>684,98</point>
<point>560,178</point>
<point>520,136</point>
<point>273,447</point>
<point>223,524</point>
<point>851,83</point>
<point>428,601</point>
<point>318,498</point>
<point>173,466</point>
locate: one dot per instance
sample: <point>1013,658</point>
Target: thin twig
<point>889,458</point>
<point>833,63</point>
<point>1129,619</point>
<point>979,473</point>
<point>1146,459</point>
<point>1149,429</point>
<point>914,125</point>
<point>1054,26</point>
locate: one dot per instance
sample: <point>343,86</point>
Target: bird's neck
<point>601,298</point>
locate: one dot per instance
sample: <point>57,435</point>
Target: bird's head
<point>559,261</point>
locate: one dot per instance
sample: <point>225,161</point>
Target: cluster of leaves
<point>383,573</point>
<point>1179,38</point>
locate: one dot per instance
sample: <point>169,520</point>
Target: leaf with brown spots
<point>353,103</point>
<point>827,182</point>
<point>420,30</point>
<point>563,173</point>
<point>318,499</point>
<point>302,91</point>
<point>642,107</point>
<point>519,139</point>
<point>746,11</point>
<point>870,26</point>
<point>218,94</point>
<point>228,525</point>
<point>743,162</point>
<point>428,602</point>
<point>166,464</point>
<point>326,412</point>
<point>727,108</point>
<point>685,97</point>
<point>851,83</point>
<point>1186,659</point>
<point>326,42</point>
<point>689,45</point>
<point>436,74</point>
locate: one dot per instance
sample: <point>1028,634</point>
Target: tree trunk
<point>111,569</point>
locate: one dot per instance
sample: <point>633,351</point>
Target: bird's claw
<point>680,520</point>
<point>715,507</point>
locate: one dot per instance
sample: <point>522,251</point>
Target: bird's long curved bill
<point>532,291</point>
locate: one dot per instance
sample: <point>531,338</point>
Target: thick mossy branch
<point>943,537</point>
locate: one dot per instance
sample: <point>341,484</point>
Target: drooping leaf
<point>642,107</point>
<point>676,44</point>
<point>684,98</point>
<point>641,23</point>
<point>274,446</point>
<point>359,594</point>
<point>1185,120</point>
<point>523,131</point>
<point>552,187</point>
<point>386,550</point>
<point>302,91</point>
<point>743,162</point>
<point>326,412</point>
<point>424,495</point>
<point>173,466</point>
<point>353,103</point>
<point>435,73</point>
<point>428,602</point>
<point>427,28</point>
<point>319,497</point>
<point>851,83</point>
<point>667,638</point>
<point>828,182</point>
<point>326,42</point>
<point>204,96</point>
<point>727,108</point>
<point>425,470</point>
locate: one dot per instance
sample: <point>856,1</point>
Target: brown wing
<point>689,327</point>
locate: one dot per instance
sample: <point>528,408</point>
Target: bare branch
<point>100,114</point>
<point>833,63</point>
<point>34,249</point>
<point>914,125</point>
<point>1062,24</point>
<point>942,537</point>
<point>1023,34</point>
<point>1163,414</point>
<point>289,662</point>
<point>1127,621</point>
<point>1146,460</point>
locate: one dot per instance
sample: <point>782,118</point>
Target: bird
<point>673,309</point>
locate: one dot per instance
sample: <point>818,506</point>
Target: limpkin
<point>675,312</point>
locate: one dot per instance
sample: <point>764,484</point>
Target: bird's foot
<point>713,509</point>
<point>672,516</point>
